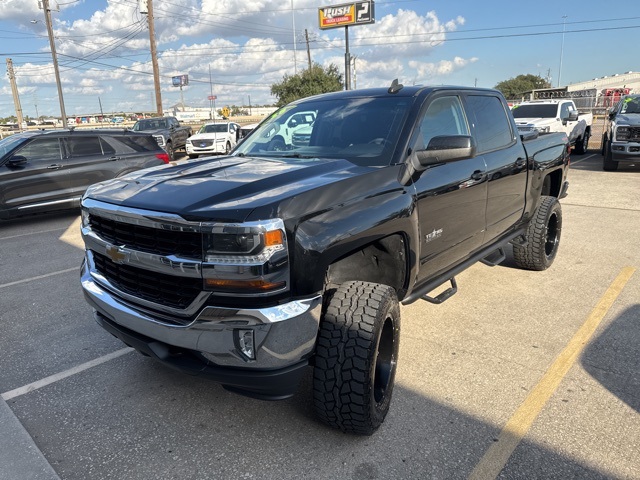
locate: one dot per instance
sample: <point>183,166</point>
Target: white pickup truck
<point>547,116</point>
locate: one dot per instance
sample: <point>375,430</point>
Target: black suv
<point>50,170</point>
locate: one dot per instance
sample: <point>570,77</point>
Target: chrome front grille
<point>148,239</point>
<point>167,290</point>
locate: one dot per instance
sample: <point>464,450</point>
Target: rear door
<point>451,197</point>
<point>89,161</point>
<point>38,184</point>
<point>505,158</point>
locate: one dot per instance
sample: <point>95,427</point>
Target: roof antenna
<point>395,87</point>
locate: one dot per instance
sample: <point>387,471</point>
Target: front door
<point>451,197</point>
<point>37,184</point>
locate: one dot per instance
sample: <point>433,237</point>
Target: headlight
<point>220,140</point>
<point>246,258</point>
<point>623,133</point>
<point>543,129</point>
<point>188,142</point>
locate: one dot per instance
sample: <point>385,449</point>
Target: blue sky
<point>104,57</point>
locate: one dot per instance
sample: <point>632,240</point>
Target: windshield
<point>150,124</point>
<point>535,111</point>
<point>214,128</point>
<point>9,143</point>
<point>630,105</point>
<point>364,131</point>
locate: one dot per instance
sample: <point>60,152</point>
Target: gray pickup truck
<point>167,131</point>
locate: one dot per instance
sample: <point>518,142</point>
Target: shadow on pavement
<point>143,421</point>
<point>612,358</point>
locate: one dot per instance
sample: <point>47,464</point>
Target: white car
<point>218,137</point>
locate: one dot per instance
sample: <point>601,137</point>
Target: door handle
<point>113,159</point>
<point>520,162</point>
<point>54,166</point>
<point>477,175</point>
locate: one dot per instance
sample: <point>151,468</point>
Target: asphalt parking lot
<point>520,375</point>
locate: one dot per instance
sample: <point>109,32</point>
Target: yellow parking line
<point>496,457</point>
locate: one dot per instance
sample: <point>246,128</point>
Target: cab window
<point>444,116</point>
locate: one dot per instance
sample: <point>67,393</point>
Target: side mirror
<point>447,149</point>
<point>573,116</point>
<point>17,161</point>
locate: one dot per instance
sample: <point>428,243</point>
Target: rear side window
<point>41,150</point>
<point>492,126</point>
<point>132,144</point>
<point>82,146</point>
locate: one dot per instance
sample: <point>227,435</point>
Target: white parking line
<point>583,159</point>
<point>59,376</point>
<point>28,234</point>
<point>39,277</point>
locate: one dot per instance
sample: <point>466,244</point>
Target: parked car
<point>219,137</point>
<point>621,139</point>
<point>167,131</point>
<point>50,170</point>
<point>247,129</point>
<point>548,116</point>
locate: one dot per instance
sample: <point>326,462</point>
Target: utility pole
<point>306,35</point>
<point>347,60</point>
<point>14,90</point>
<point>52,43</point>
<point>293,20</point>
<point>154,57</point>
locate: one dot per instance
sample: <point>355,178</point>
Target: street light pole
<point>52,43</point>
<point>564,19</point>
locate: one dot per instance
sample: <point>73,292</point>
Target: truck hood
<point>537,121</point>
<point>225,189</point>
<point>628,119</point>
<point>208,136</point>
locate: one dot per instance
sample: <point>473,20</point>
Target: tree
<point>516,87</point>
<point>312,81</point>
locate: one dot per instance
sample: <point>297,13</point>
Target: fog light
<point>246,343</point>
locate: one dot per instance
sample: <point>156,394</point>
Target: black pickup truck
<point>252,267</point>
<point>167,131</point>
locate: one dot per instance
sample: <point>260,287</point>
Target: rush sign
<point>356,13</point>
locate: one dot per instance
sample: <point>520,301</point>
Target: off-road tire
<point>356,357</point>
<point>608,165</point>
<point>582,144</point>
<point>542,237</point>
<point>170,151</point>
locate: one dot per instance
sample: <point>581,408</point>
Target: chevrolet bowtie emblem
<point>116,254</point>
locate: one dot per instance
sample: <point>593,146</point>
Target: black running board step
<point>447,294</point>
<point>494,258</point>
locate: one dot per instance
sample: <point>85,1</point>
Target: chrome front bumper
<point>284,334</point>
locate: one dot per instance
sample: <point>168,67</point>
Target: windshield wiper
<point>295,155</point>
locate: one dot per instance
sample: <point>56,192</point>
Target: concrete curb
<point>19,455</point>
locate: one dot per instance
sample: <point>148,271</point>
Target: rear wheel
<point>356,357</point>
<point>542,237</point>
<point>608,164</point>
<point>170,151</point>
<point>582,144</point>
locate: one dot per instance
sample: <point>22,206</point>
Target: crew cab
<point>214,137</point>
<point>545,116</point>
<point>167,131</point>
<point>252,267</point>
<point>621,138</point>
